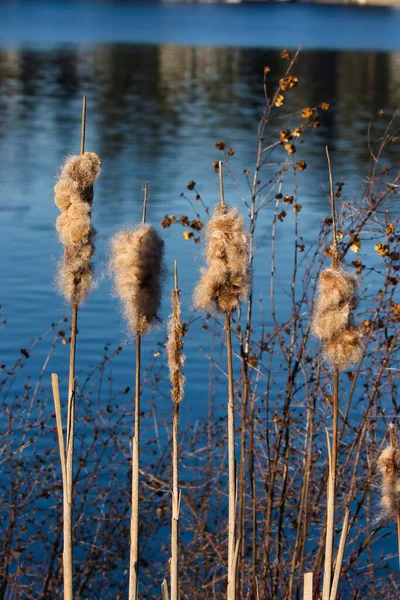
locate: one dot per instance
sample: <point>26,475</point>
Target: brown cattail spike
<point>175,346</point>
<point>137,266</point>
<point>225,282</point>
<point>389,466</point>
<point>74,197</point>
<point>335,300</point>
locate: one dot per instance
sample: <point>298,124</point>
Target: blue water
<point>254,25</point>
<point>164,83</point>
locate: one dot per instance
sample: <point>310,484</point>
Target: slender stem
<point>175,480</point>
<point>134,545</point>
<point>221,183</point>
<point>232,467</point>
<point>146,193</point>
<point>175,507</point>
<point>134,549</point>
<point>330,523</point>
<point>83,128</point>
<point>68,489</point>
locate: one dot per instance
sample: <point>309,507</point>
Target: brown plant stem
<point>68,492</point>
<point>332,453</point>
<point>232,560</point>
<point>134,526</point>
<point>175,486</point>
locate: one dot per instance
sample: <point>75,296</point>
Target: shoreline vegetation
<point>280,496</point>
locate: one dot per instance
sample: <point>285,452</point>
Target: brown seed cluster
<point>332,319</point>
<point>389,466</point>
<point>73,195</point>
<point>174,349</point>
<point>137,267</point>
<point>224,283</point>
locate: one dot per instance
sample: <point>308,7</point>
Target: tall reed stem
<point>134,545</point>
<point>68,484</point>
<point>232,550</point>
<point>175,482</point>
<point>333,453</point>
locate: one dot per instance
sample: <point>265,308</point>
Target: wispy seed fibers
<point>73,195</point>
<point>138,270</point>
<point>224,282</point>
<point>389,466</point>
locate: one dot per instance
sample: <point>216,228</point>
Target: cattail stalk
<point>231,591</point>
<point>137,266</point>
<point>74,197</point>
<point>222,286</point>
<point>134,545</point>
<point>331,455</point>
<point>175,362</point>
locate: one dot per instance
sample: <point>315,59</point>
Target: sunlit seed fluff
<point>75,278</point>
<point>344,348</point>
<point>389,466</point>
<point>73,195</point>
<point>174,349</point>
<point>137,268</point>
<point>82,170</point>
<point>224,282</point>
<point>336,298</point>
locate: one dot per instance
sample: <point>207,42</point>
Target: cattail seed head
<point>137,267</point>
<point>82,170</point>
<point>174,349</point>
<point>73,195</point>
<point>344,348</point>
<point>389,466</point>
<point>225,281</point>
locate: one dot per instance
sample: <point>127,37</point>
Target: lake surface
<point>163,85</point>
<point>155,112</point>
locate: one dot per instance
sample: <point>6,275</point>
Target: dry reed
<point>137,267</point>
<point>175,362</point>
<point>223,284</point>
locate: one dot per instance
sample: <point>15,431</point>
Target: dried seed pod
<point>82,170</point>
<point>74,197</point>
<point>344,348</point>
<point>225,282</point>
<point>389,466</point>
<point>174,349</point>
<point>137,267</point>
<point>336,299</point>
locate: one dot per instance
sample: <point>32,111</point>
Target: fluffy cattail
<point>332,319</point>
<point>73,195</point>
<point>137,266</point>
<point>335,300</point>
<point>224,283</point>
<point>174,348</point>
<point>389,466</point>
<point>344,347</point>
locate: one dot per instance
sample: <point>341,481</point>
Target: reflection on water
<point>156,112</point>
